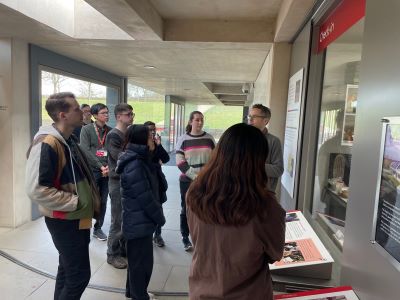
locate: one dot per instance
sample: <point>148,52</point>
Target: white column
<point>15,207</point>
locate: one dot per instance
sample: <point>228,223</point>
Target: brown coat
<point>232,262</point>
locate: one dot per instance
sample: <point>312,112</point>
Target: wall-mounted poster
<point>387,211</point>
<point>292,131</point>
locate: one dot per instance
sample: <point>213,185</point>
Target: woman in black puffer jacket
<point>141,209</point>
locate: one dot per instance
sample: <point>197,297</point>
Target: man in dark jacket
<point>159,157</point>
<point>115,142</point>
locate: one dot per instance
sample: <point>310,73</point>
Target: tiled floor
<point>31,244</point>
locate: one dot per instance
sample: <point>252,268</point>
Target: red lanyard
<point>101,141</point>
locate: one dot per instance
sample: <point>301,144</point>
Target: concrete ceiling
<point>192,44</point>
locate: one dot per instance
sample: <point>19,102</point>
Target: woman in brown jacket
<point>237,226</point>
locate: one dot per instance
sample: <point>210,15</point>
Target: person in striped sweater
<point>193,151</point>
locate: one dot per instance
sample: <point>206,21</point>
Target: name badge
<point>101,153</point>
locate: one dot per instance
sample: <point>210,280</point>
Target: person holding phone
<point>159,156</point>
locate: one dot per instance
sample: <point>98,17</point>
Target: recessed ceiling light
<point>149,67</point>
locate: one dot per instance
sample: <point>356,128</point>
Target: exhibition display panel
<point>304,254</point>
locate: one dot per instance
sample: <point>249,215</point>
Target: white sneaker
<point>152,296</point>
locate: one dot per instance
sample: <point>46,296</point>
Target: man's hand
<point>104,171</point>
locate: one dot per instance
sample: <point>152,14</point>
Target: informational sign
<point>302,246</point>
<point>387,212</point>
<point>337,293</point>
<point>345,15</point>
<point>292,131</point>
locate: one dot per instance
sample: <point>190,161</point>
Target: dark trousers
<point>102,185</point>
<point>116,242</point>
<point>140,266</point>
<point>73,273</point>
<point>184,186</point>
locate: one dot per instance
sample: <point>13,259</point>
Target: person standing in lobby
<point>237,225</point>
<point>115,142</point>
<point>259,117</point>
<point>59,179</point>
<point>93,137</point>
<point>87,119</point>
<point>142,211</point>
<point>159,156</point>
<point>193,150</point>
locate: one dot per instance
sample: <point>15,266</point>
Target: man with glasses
<point>115,141</point>
<point>87,119</point>
<point>93,137</point>
<point>259,117</point>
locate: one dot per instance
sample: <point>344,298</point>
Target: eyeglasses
<point>131,114</point>
<point>250,117</point>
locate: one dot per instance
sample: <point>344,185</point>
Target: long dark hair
<point>137,134</point>
<point>231,188</point>
<point>191,117</point>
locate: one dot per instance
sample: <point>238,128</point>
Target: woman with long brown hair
<point>237,225</point>
<point>193,150</point>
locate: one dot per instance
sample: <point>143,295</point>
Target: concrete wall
<point>15,207</point>
<point>364,267</point>
<point>271,89</point>
<point>271,86</point>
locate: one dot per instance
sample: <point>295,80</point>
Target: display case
<point>349,114</point>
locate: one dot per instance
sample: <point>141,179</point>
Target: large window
<point>332,183</point>
<point>148,106</point>
<point>217,118</point>
<point>86,92</point>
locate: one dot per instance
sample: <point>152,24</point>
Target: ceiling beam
<point>228,90</point>
<point>138,18</point>
<point>291,15</point>
<point>219,31</point>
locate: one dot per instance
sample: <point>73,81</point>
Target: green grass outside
<point>217,117</point>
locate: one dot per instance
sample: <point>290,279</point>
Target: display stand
<point>304,254</point>
<point>337,293</point>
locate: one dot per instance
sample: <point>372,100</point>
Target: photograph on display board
<point>290,217</point>
<point>299,251</point>
<point>387,230</point>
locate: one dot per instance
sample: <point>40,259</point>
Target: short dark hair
<point>57,103</point>
<point>149,123</point>
<point>84,105</point>
<point>191,117</point>
<point>137,134</point>
<point>265,110</point>
<point>94,110</point>
<point>221,194</point>
<point>121,107</point>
